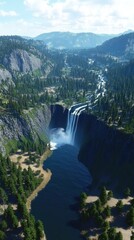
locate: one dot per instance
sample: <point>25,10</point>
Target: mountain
<point>19,56</point>
<point>68,40</point>
<point>22,63</point>
<point>119,46</point>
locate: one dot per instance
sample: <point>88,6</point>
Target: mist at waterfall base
<point>58,138</point>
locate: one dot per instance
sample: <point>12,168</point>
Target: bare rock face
<point>5,76</point>
<point>22,61</point>
<point>33,124</point>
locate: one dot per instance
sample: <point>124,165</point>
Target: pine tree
<point>103,236</point>
<point>119,206</point>
<point>109,195</point>
<point>127,192</point>
<point>107,211</point>
<point>130,217</point>
<point>103,196</point>
<point>119,236</point>
<point>111,233</point>
<point>39,229</point>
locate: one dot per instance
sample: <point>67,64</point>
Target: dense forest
<point>117,106</point>
<point>15,187</point>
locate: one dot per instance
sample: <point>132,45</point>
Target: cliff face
<point>59,116</point>
<point>107,153</point>
<point>22,61</point>
<point>33,124</point>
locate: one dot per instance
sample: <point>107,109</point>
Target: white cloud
<point>84,15</point>
<point>7,13</point>
<point>99,16</point>
<point>2,3</point>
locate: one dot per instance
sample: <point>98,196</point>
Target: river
<point>56,205</point>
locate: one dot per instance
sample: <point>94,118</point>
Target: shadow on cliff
<point>107,152</point>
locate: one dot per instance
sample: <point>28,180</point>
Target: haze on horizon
<point>32,17</point>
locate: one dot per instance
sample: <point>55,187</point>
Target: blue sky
<point>33,17</point>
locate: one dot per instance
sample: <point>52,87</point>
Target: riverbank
<point>22,160</point>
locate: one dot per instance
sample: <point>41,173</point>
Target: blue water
<point>55,205</point>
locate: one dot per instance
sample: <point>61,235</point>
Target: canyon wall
<point>107,152</point>
<point>32,124</point>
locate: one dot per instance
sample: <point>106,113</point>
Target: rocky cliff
<point>22,61</point>
<point>19,56</point>
<point>32,124</point>
<point>105,151</point>
<point>58,116</point>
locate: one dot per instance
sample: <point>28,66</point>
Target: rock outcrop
<point>33,125</point>
<point>107,152</point>
<point>5,76</point>
<point>22,61</point>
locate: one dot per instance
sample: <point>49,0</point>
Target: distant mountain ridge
<point>119,46</point>
<point>68,40</point>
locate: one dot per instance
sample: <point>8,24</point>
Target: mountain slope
<point>119,46</point>
<point>68,40</point>
<point>20,56</point>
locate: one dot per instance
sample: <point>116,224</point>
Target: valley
<point>80,104</point>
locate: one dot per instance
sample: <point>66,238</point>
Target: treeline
<point>15,186</point>
<point>26,145</point>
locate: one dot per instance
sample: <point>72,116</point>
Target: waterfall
<point>72,121</point>
<point>59,136</point>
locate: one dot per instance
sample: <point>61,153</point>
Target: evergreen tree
<point>103,236</point>
<point>127,192</point>
<point>2,235</point>
<point>112,233</point>
<point>109,195</point>
<point>119,206</point>
<point>105,225</point>
<point>130,217</point>
<point>99,206</point>
<point>103,195</point>
<point>119,236</point>
<point>3,225</point>
<point>39,229</point>
<point>107,211</point>
<point>132,236</point>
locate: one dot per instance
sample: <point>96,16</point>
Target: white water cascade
<point>60,136</point>
<point>72,121</point>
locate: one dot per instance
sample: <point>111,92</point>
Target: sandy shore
<point>21,160</point>
<point>46,178</point>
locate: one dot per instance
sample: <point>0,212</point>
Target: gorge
<point>104,150</point>
<point>93,143</point>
